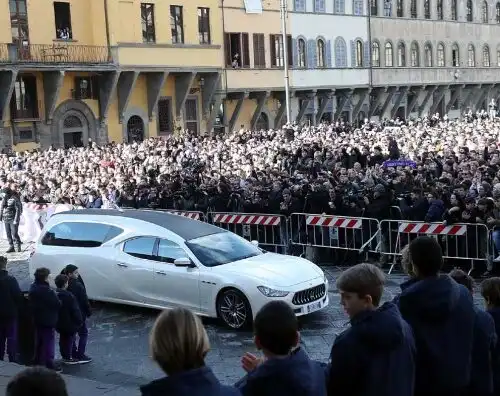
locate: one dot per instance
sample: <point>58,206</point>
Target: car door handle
<point>161,272</point>
<point>122,265</point>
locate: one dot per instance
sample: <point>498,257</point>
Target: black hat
<point>69,269</point>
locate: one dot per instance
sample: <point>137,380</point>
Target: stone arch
<point>81,111</point>
<point>135,111</point>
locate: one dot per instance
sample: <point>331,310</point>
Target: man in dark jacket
<point>376,355</point>
<point>485,341</point>
<point>11,209</point>
<point>77,288</point>
<point>441,314</point>
<point>287,370</point>
<point>70,319</point>
<point>45,307</point>
<point>10,299</point>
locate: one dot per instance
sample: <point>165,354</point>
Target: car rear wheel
<point>234,309</point>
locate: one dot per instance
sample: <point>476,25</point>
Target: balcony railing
<point>60,53</point>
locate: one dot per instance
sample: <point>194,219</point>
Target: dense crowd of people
<point>430,340</point>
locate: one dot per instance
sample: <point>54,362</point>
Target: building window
<point>498,57</point>
<point>387,8</point>
<point>339,6</point>
<point>177,24</point>
<point>259,50</point>
<point>340,52</point>
<point>26,135</point>
<point>359,53</point>
<point>415,61</point>
<point>454,10</point>
<point>427,9</point>
<point>439,10</point>
<point>413,9</point>
<point>319,5</point>
<point>468,11</point>
<point>62,16</point>
<point>401,55</point>
<point>486,56</point>
<point>148,22</point>
<point>204,25</point>
<point>388,55</point>
<point>497,12</point>
<point>358,6</point>
<point>236,50</point>
<point>428,55</point>
<point>19,22</point>
<point>86,88</point>
<point>300,5</point>
<point>375,54</point>
<point>455,56</point>
<point>302,52</point>
<point>277,50</point>
<point>399,8</point>
<point>485,15</point>
<point>24,102</point>
<point>374,7</point>
<point>471,56</point>
<point>165,124</point>
<point>440,55</point>
<point>320,53</point>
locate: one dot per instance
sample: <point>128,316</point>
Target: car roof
<point>185,227</point>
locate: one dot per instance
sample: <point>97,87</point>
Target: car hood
<point>274,270</point>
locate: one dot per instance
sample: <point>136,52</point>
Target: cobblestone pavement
<point>118,339</point>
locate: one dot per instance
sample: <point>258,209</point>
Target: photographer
<point>419,206</point>
<point>289,204</point>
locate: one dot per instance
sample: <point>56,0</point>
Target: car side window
<point>169,251</point>
<point>142,247</point>
<point>80,234</point>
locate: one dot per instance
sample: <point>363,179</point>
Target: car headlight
<point>325,279</point>
<point>268,292</point>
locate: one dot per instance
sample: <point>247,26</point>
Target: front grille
<point>309,295</point>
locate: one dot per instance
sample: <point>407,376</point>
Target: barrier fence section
<point>200,216</point>
<point>359,234</point>
<point>271,231</point>
<point>461,241</point>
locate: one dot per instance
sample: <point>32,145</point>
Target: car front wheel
<point>234,309</point>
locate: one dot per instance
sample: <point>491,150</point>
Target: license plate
<point>313,307</point>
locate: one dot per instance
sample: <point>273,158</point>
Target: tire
<point>234,309</point>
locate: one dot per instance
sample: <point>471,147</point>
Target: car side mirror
<point>255,243</point>
<point>183,262</point>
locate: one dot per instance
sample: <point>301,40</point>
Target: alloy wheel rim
<point>233,310</point>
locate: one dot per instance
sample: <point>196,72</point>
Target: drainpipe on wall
<point>224,63</point>
<point>370,65</point>
<point>106,20</point>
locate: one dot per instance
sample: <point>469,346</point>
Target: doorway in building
<point>135,129</point>
<point>262,122</point>
<point>74,129</point>
<point>191,115</point>
<point>400,113</point>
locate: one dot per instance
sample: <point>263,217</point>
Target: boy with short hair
<point>376,355</point>
<point>483,350</point>
<point>36,381</point>
<point>490,290</point>
<point>69,321</point>
<point>286,369</point>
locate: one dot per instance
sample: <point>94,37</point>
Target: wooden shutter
<point>94,84</point>
<point>245,50</point>
<point>328,53</point>
<point>295,53</point>
<point>289,47</point>
<point>77,93</point>
<point>227,49</point>
<point>312,62</point>
<point>272,47</point>
<point>353,53</point>
<point>256,55</point>
<point>366,54</point>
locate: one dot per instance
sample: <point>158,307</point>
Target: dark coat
<point>11,209</point>
<point>77,288</point>
<point>45,304</point>
<point>295,375</point>
<point>375,356</point>
<point>198,382</point>
<point>418,210</point>
<point>70,317</point>
<point>435,212</point>
<point>442,316</point>
<point>495,314</point>
<point>10,297</point>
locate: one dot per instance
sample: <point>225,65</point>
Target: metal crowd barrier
<point>186,213</point>
<point>269,230</point>
<point>460,241</point>
<point>359,234</point>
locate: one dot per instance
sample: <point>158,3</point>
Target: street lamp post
<point>283,12</point>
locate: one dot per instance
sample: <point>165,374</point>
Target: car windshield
<point>222,248</point>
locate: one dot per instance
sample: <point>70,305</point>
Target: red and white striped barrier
<point>227,218</point>
<point>338,222</point>
<point>190,215</point>
<point>35,206</point>
<point>431,229</point>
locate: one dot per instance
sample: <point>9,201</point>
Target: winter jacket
<point>11,209</point>
<point>45,304</point>
<point>495,314</point>
<point>70,317</point>
<point>197,382</point>
<point>295,375</point>
<point>77,288</point>
<point>10,297</point>
<point>375,356</point>
<point>435,212</point>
